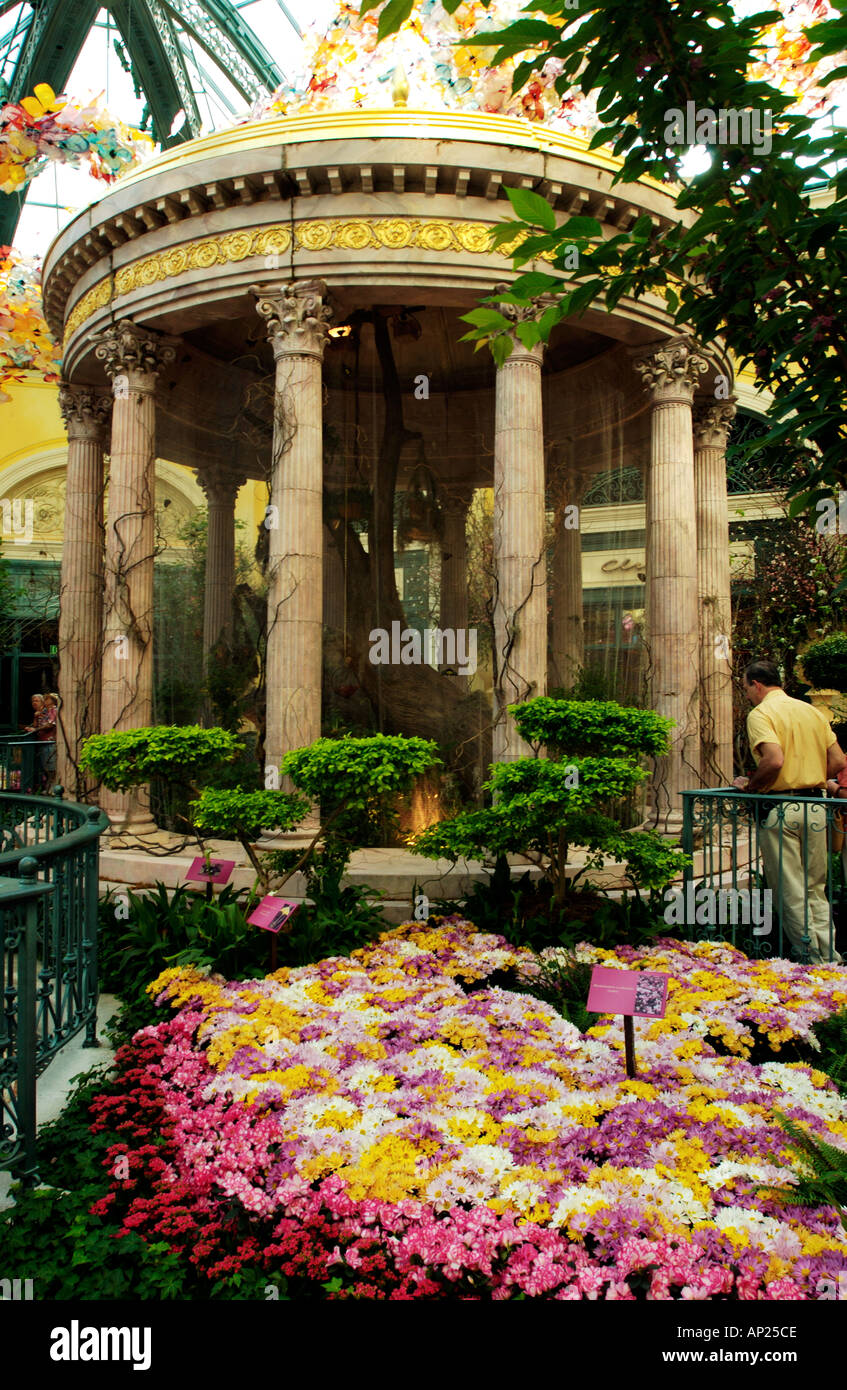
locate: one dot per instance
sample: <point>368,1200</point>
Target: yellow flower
<point>477,1129</point>
<point>337,1119</point>
<point>642,1089</point>
<point>387,1171</point>
<point>739,1238</point>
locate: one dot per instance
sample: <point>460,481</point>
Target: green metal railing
<point>20,768</point>
<point>766,872</point>
<point>48,950</point>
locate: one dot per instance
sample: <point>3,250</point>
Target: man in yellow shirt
<point>795,751</point>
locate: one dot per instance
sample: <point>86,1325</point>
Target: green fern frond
<point>821,1171</point>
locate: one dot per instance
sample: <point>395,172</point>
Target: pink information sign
<point>641,992</point>
<point>210,870</point>
<point>272,913</point>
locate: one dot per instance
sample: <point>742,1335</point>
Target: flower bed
<point>745,1007</point>
<point>389,1125</point>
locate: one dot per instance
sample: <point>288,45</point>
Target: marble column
<point>453,611</point>
<point>221,485</point>
<point>85,411</point>
<point>670,372</point>
<point>712,424</point>
<point>567,633</point>
<point>133,357</point>
<point>297,323</point>
<point>520,561</point>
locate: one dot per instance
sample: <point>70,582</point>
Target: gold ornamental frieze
<point>433,234</point>
<point>342,233</point>
<point>96,298</point>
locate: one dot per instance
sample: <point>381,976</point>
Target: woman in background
<point>45,732</point>
<point>37,702</point>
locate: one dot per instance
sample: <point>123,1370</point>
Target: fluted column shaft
<point>670,373</point>
<point>86,414</point>
<point>133,357</point>
<point>221,487</point>
<point>520,608</point>
<point>712,423</point>
<point>567,630</point>
<point>296,318</point>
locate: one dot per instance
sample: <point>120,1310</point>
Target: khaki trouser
<point>797,876</point>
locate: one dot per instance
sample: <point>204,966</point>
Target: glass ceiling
<point>103,67</point>
<point>210,99</point>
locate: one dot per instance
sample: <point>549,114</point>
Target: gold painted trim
<point>487,128</point>
<point>96,298</point>
<point>319,234</point>
<point>342,233</point>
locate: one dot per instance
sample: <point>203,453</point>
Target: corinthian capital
<point>713,422</point>
<point>297,317</point>
<point>85,411</point>
<point>220,483</point>
<point>133,355</point>
<point>518,314</point>
<point>670,370</point>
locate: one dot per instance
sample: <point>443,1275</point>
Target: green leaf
<point>587,227</point>
<point>524,33</point>
<point>529,333</point>
<point>489,319</point>
<point>535,283</point>
<point>532,208</point>
<point>583,296</point>
<point>505,231</point>
<point>393,17</point>
<point>501,348</point>
<point>642,229</point>
<point>552,315</point>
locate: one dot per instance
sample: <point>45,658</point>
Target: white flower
<point>725,1171</point>
<point>762,1230</point>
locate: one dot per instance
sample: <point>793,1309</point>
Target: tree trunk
<point>413,699</point>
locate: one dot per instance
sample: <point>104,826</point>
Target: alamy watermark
<point>434,646</point>
<point>18,519</point>
<point>720,907</point>
<point>831,517</point>
<point>701,125</point>
<point>827,1289</point>
<point>16,1290</point>
<point>76,1343</point>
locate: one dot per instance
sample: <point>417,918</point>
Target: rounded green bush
<point>825,663</point>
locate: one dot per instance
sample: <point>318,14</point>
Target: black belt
<point>800,791</point>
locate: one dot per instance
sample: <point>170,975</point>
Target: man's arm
<point>770,761</point>
<point>835,760</point>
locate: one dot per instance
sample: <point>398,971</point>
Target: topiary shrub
<point>351,780</point>
<point>189,755</point>
<point>243,816</point>
<point>825,663</point>
<point>181,758</point>
<point>545,805</point>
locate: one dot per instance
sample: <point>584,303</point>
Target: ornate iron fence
<point>20,769</point>
<point>49,853</point>
<point>767,872</point>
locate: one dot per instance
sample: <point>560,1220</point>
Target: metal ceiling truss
<point>173,51</point>
<point>157,35</point>
<point>222,33</point>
